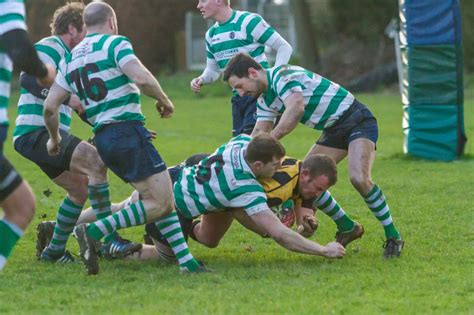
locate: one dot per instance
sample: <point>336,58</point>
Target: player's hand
<point>308,226</point>
<point>48,79</point>
<point>196,84</point>
<point>53,146</point>
<point>152,134</point>
<point>334,250</point>
<point>75,103</point>
<point>165,109</point>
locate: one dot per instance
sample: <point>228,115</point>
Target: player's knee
<point>208,242</point>
<point>361,182</point>
<point>79,193</point>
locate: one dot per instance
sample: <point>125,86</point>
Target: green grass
<point>431,202</point>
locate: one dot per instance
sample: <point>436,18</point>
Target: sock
<point>170,228</point>
<point>100,201</point>
<point>132,215</point>
<point>375,200</point>
<point>327,204</point>
<point>9,235</point>
<point>66,219</point>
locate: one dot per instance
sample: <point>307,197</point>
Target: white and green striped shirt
<point>93,72</point>
<point>325,101</point>
<point>244,32</point>
<point>30,118</point>
<point>223,180</point>
<point>12,17</point>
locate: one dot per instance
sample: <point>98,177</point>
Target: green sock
<point>9,235</point>
<point>327,204</point>
<point>99,198</point>
<point>132,215</point>
<point>66,219</point>
<point>376,202</point>
<point>170,228</point>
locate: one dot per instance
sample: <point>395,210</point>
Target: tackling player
<point>349,128</point>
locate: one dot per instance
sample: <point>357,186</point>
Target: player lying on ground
<point>349,128</point>
<point>288,183</point>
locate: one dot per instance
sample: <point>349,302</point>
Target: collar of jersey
<point>92,34</point>
<point>230,19</point>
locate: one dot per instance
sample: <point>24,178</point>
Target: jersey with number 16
<point>93,72</point>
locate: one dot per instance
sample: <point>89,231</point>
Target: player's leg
<point>33,147</point>
<point>348,230</point>
<point>249,114</point>
<point>362,139</point>
<point>18,203</point>
<point>361,157</point>
<point>212,227</point>
<point>237,115</point>
<point>128,151</point>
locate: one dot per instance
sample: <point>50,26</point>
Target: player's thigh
<point>157,188</point>
<point>335,153</point>
<point>213,226</point>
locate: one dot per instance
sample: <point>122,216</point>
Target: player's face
<point>208,8</point>
<point>77,36</point>
<point>269,169</point>
<point>312,187</point>
<point>246,86</point>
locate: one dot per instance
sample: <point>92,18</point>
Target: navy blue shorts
<point>9,178</point>
<point>33,147</point>
<point>244,114</point>
<point>356,122</point>
<point>127,150</point>
<point>3,137</point>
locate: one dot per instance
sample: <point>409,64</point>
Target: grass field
<point>431,202</point>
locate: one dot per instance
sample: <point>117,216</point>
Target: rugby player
<point>348,127</point>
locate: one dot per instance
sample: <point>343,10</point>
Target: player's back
<point>221,181</point>
<point>51,50</point>
<point>94,72</point>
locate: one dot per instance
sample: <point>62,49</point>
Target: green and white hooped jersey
<point>12,17</point>
<point>244,32</point>
<point>222,180</point>
<point>51,50</point>
<point>324,100</point>
<point>93,72</point>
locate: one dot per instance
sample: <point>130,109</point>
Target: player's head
<point>68,22</point>
<point>318,173</point>
<point>244,75</point>
<point>264,154</point>
<point>99,16</point>
<point>212,8</point>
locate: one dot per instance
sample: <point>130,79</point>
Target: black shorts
<point>9,178</point>
<point>127,150</point>
<point>33,147</point>
<point>356,122</point>
<point>244,114</point>
<point>3,136</point>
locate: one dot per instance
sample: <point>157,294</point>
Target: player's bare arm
<point>56,96</point>
<point>262,126</point>
<point>293,241</point>
<point>291,117</point>
<point>149,85</point>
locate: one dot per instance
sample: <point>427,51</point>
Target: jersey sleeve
<point>61,77</point>
<point>287,85</point>
<point>48,54</point>
<point>122,51</point>
<point>260,31</point>
<point>264,112</point>
<point>255,202</point>
<point>12,16</point>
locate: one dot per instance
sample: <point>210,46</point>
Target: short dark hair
<point>70,13</point>
<point>239,66</point>
<point>264,148</point>
<point>321,164</point>
<point>97,13</point>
